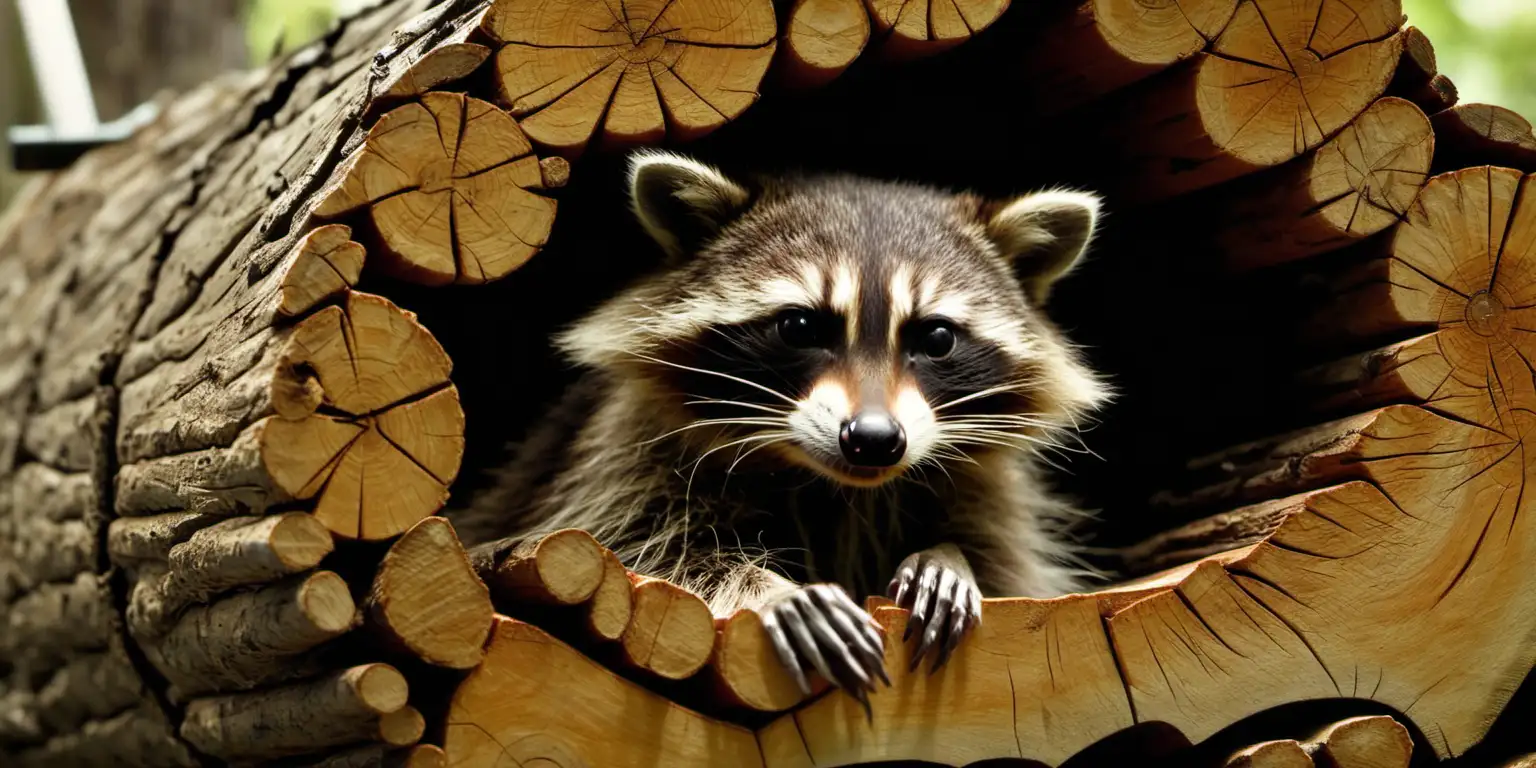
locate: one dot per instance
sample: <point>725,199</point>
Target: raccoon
<point>831,386</point>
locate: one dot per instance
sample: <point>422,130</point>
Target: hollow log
<point>572,72</point>
<point>333,711</point>
<point>1355,185</point>
<point>185,350</point>
<point>1101,46</point>
<point>426,599</point>
<point>1280,79</point>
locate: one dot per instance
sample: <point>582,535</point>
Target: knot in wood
<point>1485,315</point>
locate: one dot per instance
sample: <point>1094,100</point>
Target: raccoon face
<point>855,327</point>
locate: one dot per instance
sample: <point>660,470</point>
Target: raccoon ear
<point>1044,235</point>
<point>682,202</point>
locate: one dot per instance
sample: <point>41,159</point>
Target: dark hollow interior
<point>1202,358</point>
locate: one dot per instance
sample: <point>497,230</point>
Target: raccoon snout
<point>872,439</point>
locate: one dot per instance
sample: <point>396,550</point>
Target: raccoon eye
<point>802,329</point>
<point>938,340</point>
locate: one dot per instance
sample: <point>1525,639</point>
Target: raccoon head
<point>856,327</point>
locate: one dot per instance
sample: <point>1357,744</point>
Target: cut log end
<point>1276,84</point>
<point>382,456</point>
<point>1364,742</point>
<point>427,599</point>
<point>1264,104</point>
<point>1355,185</point>
<point>671,633</point>
<point>564,568</point>
<point>911,28</point>
<point>327,264</point>
<point>402,728</point>
<point>446,184</point>
<point>343,708</point>
<point>747,669</point>
<point>822,39</point>
<point>575,72</point>
<point>1285,753</point>
<point>613,602</point>
<point>454,61</point>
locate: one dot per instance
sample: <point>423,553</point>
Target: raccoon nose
<point>873,440</point>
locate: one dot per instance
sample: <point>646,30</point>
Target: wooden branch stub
<point>1208,536</point>
<point>1104,45</point>
<point>1280,80</point>
<point>327,263</point>
<point>250,638</point>
<point>671,632</point>
<point>504,710</point>
<point>1482,134</point>
<point>747,670</point>
<point>564,568</point>
<point>444,64</point>
<point>574,71</point>
<point>821,39</point>
<point>446,183</point>
<point>1355,185</point>
<point>338,709</point>
<point>924,27</point>
<point>555,171</point>
<point>387,459</point>
<point>427,600</point>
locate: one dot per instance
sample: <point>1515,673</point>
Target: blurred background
<point>135,47</point>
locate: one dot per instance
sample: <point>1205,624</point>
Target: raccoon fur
<point>830,381</point>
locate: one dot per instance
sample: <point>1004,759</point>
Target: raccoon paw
<point>944,601</point>
<point>818,626</point>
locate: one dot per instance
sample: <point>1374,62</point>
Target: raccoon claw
<point>819,627</point>
<point>945,605</point>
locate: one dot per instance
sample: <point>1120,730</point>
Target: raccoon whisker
<point>742,455</point>
<point>983,393</point>
<point>998,421</point>
<point>769,436</point>
<point>737,379</point>
<point>753,406</point>
<point>744,422</point>
<point>998,435</point>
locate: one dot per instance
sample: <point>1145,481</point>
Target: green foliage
<point>1486,47</point>
<point>278,26</point>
